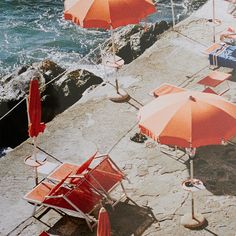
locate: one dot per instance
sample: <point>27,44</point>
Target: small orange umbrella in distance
<point>104,227</point>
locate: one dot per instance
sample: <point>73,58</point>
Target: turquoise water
<point>33,30</point>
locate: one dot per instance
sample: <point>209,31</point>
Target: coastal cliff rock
<point>132,41</point>
<point>65,90</point>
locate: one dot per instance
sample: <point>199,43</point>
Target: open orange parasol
<point>189,119</point>
<point>104,227</point>
<point>108,14</point>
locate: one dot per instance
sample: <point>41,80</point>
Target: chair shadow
<point>125,219</point>
<point>215,166</point>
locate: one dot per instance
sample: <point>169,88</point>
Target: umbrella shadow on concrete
<point>126,220</point>
<point>215,166</point>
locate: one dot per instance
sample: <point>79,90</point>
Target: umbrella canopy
<point>107,14</point>
<point>34,110</point>
<point>189,119</point>
<point>104,227</point>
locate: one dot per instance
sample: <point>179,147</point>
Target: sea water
<point>32,30</point>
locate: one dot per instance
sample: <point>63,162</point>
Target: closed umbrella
<point>34,118</point>
<point>34,110</point>
<point>107,14</point>
<point>104,227</point>
<point>189,119</point>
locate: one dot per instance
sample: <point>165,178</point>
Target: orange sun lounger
<point>79,201</point>
<point>80,189</point>
<point>214,47</point>
<point>100,172</point>
<point>75,170</point>
<point>165,89</point>
<point>215,79</point>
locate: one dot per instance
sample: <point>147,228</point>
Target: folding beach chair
<point>75,171</point>
<point>214,47</point>
<point>209,90</point>
<point>214,80</point>
<point>99,172</point>
<point>79,201</point>
<point>106,177</point>
<point>165,89</point>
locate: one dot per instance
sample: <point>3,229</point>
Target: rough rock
<point>132,41</point>
<point>49,69</point>
<point>66,91</point>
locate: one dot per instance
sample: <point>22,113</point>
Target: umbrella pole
<point>191,177</point>
<point>34,141</point>
<point>213,21</point>
<point>114,58</point>
<point>35,158</point>
<point>173,12</point>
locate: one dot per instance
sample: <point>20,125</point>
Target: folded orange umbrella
<point>34,118</point>
<point>34,110</point>
<point>189,119</point>
<point>104,227</point>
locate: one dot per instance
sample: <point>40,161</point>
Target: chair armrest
<point>56,196</point>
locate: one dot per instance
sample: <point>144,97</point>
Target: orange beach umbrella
<point>189,119</point>
<point>107,14</point>
<point>104,227</point>
<point>34,110</point>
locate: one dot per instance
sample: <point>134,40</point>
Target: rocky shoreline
<point>67,86</point>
